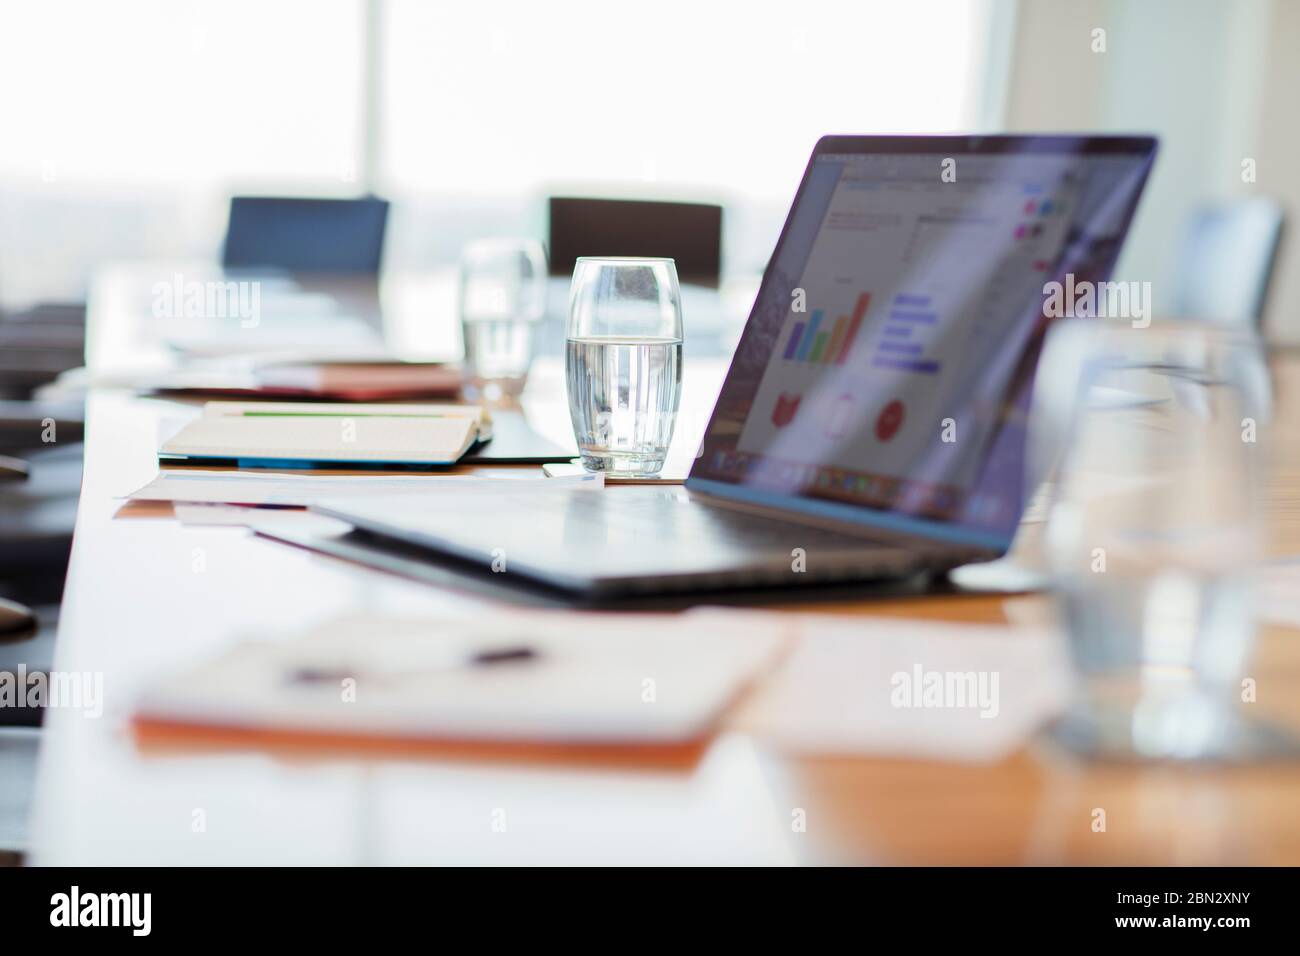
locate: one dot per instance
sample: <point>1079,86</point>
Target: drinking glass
<point>1154,530</point>
<point>502,297</point>
<point>623,362</point>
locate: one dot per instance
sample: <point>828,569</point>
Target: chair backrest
<point>690,233</point>
<point>306,235</point>
<point>1226,261</point>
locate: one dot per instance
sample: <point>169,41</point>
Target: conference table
<point>138,607</point>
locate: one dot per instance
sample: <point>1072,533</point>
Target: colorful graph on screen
<point>823,342</point>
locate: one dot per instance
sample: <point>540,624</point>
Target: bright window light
<point>507,96</point>
<point>180,92</point>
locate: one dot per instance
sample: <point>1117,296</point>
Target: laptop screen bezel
<point>1141,147</point>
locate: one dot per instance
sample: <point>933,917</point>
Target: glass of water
<point>1154,531</point>
<point>502,297</point>
<point>623,362</point>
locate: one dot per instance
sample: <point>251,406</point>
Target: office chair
<point>37,515</point>
<point>39,343</point>
<point>1226,262</point>
<point>690,233</point>
<point>40,480</point>
<point>306,235</point>
<point>40,452</point>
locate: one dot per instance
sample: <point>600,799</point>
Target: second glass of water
<point>502,298</point>
<point>623,362</point>
<point>1155,529</point>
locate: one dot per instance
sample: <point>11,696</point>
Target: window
<point>718,101</point>
<point>126,125</point>
<point>511,95</point>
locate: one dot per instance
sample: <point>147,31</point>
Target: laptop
<point>872,424</point>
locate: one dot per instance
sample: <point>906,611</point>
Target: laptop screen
<point>885,372</point>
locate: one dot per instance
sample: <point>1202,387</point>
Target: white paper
<point>214,514</point>
<point>639,678</point>
<point>1277,592</point>
<point>277,488</point>
<point>860,685</point>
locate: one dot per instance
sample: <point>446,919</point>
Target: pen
<point>488,657</point>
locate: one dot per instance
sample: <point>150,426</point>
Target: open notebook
<point>307,434</point>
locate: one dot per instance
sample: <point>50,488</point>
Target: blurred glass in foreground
<point>502,297</point>
<point>1154,530</point>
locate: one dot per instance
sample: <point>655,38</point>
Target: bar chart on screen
<point>823,342</point>
<point>897,339</point>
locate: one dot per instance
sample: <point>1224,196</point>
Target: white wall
<point>1277,139</point>
<point>1216,81</point>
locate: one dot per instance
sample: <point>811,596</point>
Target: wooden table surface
<point>139,604</point>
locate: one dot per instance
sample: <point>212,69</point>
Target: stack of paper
<point>277,489</point>
<point>371,380</point>
<point>307,434</point>
<point>360,381</point>
<point>540,677</point>
<point>821,684</point>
